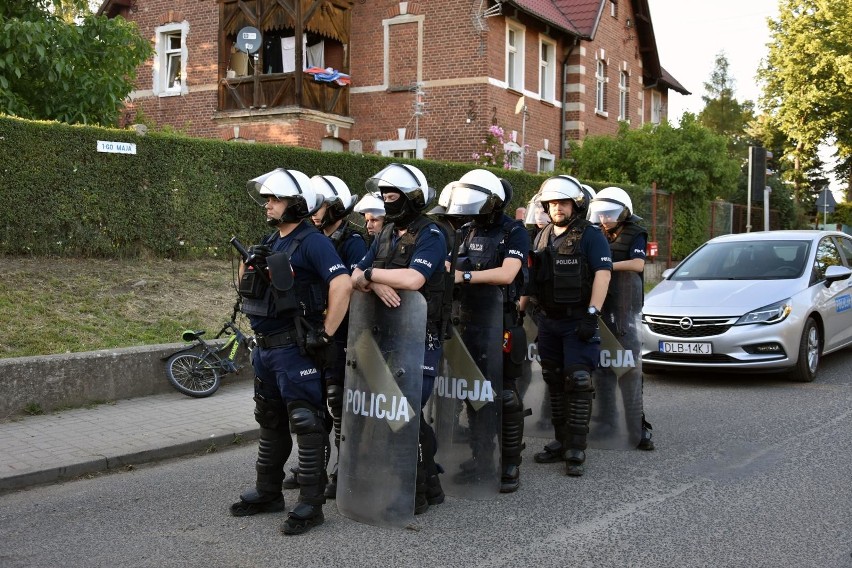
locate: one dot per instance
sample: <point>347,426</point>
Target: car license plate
<point>690,348</point>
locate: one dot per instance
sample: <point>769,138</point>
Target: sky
<point>691,33</point>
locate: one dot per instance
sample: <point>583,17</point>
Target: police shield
<point>381,409</point>
<point>467,404</point>
<point>533,389</point>
<point>617,409</point>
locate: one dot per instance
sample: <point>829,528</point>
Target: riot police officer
<point>612,209</point>
<point>408,254</point>
<point>296,292</point>
<point>493,254</point>
<point>569,280</point>
<point>373,210</point>
<point>331,219</point>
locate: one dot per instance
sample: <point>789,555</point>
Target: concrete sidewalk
<point>67,444</point>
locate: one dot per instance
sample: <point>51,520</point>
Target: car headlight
<point>772,313</point>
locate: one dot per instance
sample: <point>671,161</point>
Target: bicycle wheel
<point>192,375</point>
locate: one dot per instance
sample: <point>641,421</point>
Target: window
<point>170,59</point>
<point>546,161</point>
<point>624,96</point>
<point>826,255</point>
<point>613,8</point>
<point>514,158</point>
<point>405,154</point>
<point>515,58</point>
<point>600,88</point>
<point>547,70</point>
<point>656,107</point>
<point>407,148</point>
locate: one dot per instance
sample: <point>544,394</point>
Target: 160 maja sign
<point>116,147</point>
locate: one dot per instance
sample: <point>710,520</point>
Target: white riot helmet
<point>536,213</point>
<point>562,187</point>
<point>443,200</point>
<point>371,204</point>
<point>478,192</point>
<point>335,194</point>
<point>611,205</point>
<point>285,184</point>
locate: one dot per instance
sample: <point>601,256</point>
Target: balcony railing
<point>279,90</point>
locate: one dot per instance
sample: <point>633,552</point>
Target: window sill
<point>548,102</point>
<point>514,91</point>
<point>602,113</point>
<point>170,93</point>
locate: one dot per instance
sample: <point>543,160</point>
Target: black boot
<point>428,490</point>
<point>555,380</point>
<point>312,438</point>
<point>273,449</point>
<point>512,441</point>
<point>645,442</point>
<point>292,482</point>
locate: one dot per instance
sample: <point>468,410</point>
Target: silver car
<point>767,301</point>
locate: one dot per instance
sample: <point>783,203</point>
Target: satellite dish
<point>248,40</point>
<point>520,106</point>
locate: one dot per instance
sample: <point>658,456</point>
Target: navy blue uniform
<point>283,372</point>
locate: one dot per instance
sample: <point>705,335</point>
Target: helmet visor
<point>277,183</point>
<point>606,212</point>
<point>536,215</point>
<point>469,199</point>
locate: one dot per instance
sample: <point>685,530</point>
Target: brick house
<point>400,78</point>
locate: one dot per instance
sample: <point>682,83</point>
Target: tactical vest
<point>563,279</point>
<point>624,238</point>
<point>481,252</point>
<point>306,299</point>
<point>388,256</point>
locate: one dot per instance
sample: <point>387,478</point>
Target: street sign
<point>116,147</point>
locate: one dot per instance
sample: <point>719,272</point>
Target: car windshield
<point>745,260</point>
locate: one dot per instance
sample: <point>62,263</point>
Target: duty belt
<point>273,340</point>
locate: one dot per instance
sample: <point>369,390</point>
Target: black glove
<point>588,327</point>
<point>321,348</point>
<point>258,254</point>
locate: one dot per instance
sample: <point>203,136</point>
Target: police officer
<point>296,293</point>
<point>571,273</point>
<point>408,254</point>
<point>493,253</point>
<point>612,208</point>
<point>373,210</point>
<point>331,219</point>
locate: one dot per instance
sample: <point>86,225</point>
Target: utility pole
<point>419,105</point>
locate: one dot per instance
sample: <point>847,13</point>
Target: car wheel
<point>809,352</point>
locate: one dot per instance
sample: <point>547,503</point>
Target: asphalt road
<point>749,471</point>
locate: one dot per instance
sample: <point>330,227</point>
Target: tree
<point>59,61</point>
<point>689,161</point>
<point>723,113</point>
<point>806,76</point>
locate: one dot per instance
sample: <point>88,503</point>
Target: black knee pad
<point>305,419</point>
<point>511,401</point>
<point>334,394</point>
<point>552,374</point>
<point>579,381</point>
<point>269,413</point>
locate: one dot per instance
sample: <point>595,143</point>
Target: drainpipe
<point>565,97</point>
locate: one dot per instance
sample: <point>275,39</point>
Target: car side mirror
<point>667,272</point>
<point>836,273</point>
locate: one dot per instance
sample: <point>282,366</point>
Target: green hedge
<point>175,197</point>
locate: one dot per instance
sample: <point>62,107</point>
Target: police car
<point>767,301</point>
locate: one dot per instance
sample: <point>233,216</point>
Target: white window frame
<point>513,155</point>
<point>546,162</point>
<point>515,56</point>
<point>613,8</point>
<point>656,107</point>
<point>547,69</point>
<point>623,96</point>
<point>388,147</point>
<point>165,57</point>
<point>600,87</point>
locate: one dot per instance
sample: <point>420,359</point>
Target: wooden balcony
<point>280,90</point>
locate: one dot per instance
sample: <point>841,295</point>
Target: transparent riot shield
<point>533,389</point>
<point>381,409</point>
<point>617,408</point>
<point>467,403</point>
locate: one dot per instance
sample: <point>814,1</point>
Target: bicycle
<point>199,374</point>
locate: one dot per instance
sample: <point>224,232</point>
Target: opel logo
<point>686,323</point>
